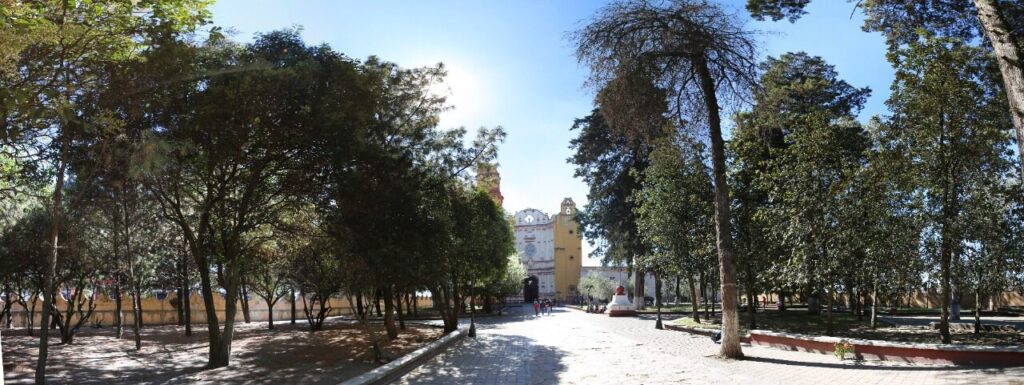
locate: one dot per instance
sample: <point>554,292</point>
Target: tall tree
<point>674,211</point>
<point>225,156</point>
<point>999,22</point>
<point>611,162</point>
<point>805,116</point>
<point>59,48</point>
<point>703,58</point>
<point>952,120</point>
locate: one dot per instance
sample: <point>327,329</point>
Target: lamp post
<point>657,298</point>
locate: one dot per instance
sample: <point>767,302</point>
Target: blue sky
<point>511,64</point>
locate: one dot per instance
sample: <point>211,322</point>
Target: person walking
<point>536,308</point>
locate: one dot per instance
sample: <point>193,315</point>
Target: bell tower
<point>568,207</point>
<point>488,179</point>
<point>568,251</point>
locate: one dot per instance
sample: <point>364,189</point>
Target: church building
<point>551,248</point>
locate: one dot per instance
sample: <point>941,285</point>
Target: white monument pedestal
<point>621,307</point>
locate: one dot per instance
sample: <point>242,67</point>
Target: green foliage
<point>949,120</point>
<point>511,282</point>
<point>611,164</point>
<point>798,151</point>
<point>777,9</point>
<point>674,209</point>
<point>596,286</point>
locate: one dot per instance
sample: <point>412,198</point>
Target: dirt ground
<point>288,354</point>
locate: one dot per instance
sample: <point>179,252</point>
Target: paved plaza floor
<point>573,347</point>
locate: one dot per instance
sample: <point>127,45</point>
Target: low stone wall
<point>165,312</point>
<point>701,331</point>
<point>895,351</point>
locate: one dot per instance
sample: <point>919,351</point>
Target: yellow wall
<point>156,312</point>
<point>568,251</point>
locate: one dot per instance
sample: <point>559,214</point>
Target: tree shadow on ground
<point>289,354</point>
<point>493,359</point>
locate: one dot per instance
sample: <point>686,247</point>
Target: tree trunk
<point>293,305</point>
<point>954,306</point>
<point>5,315</point>
<point>977,311</point>
<point>780,303</point>
<point>245,303</point>
<point>408,302</point>
<point>398,309</point>
<point>723,234</point>
<point>703,295</point>
<point>137,316</point>
<point>415,305</point>
<point>1009,54</point>
<point>51,263</point>
<point>946,254</point>
<point>118,309</point>
<point>752,301</point>
<point>679,294</point>
<point>751,309</point>
<point>694,299</point>
<point>188,311</point>
<point>874,305</point>
<point>186,285</point>
<point>220,349</point>
<point>359,305</point>
<point>2,354</point>
<point>657,298</point>
<point>32,315</point>
<point>305,309</point>
<point>142,322</point>
<point>376,301</point>
<point>853,300</point>
<point>181,309</point>
<point>270,312</point>
<point>639,294</point>
<point>829,326</point>
<point>215,358</point>
<point>389,309</point>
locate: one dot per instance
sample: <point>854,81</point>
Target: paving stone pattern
<point>572,347</point>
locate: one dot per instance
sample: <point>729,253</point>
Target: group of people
<point>542,306</point>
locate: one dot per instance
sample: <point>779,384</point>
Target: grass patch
<point>848,326</point>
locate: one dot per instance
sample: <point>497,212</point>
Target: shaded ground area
<point>890,328</point>
<point>289,354</point>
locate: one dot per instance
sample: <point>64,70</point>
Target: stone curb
<point>896,351</point>
<point>691,330</point>
<point>889,344</point>
<point>702,331</point>
<point>406,363</point>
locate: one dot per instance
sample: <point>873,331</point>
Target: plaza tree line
<point>804,200</point>
<point>143,148</point>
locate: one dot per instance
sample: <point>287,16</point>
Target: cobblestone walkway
<point>572,347</point>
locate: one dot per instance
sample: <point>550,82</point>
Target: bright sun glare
<point>462,89</point>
